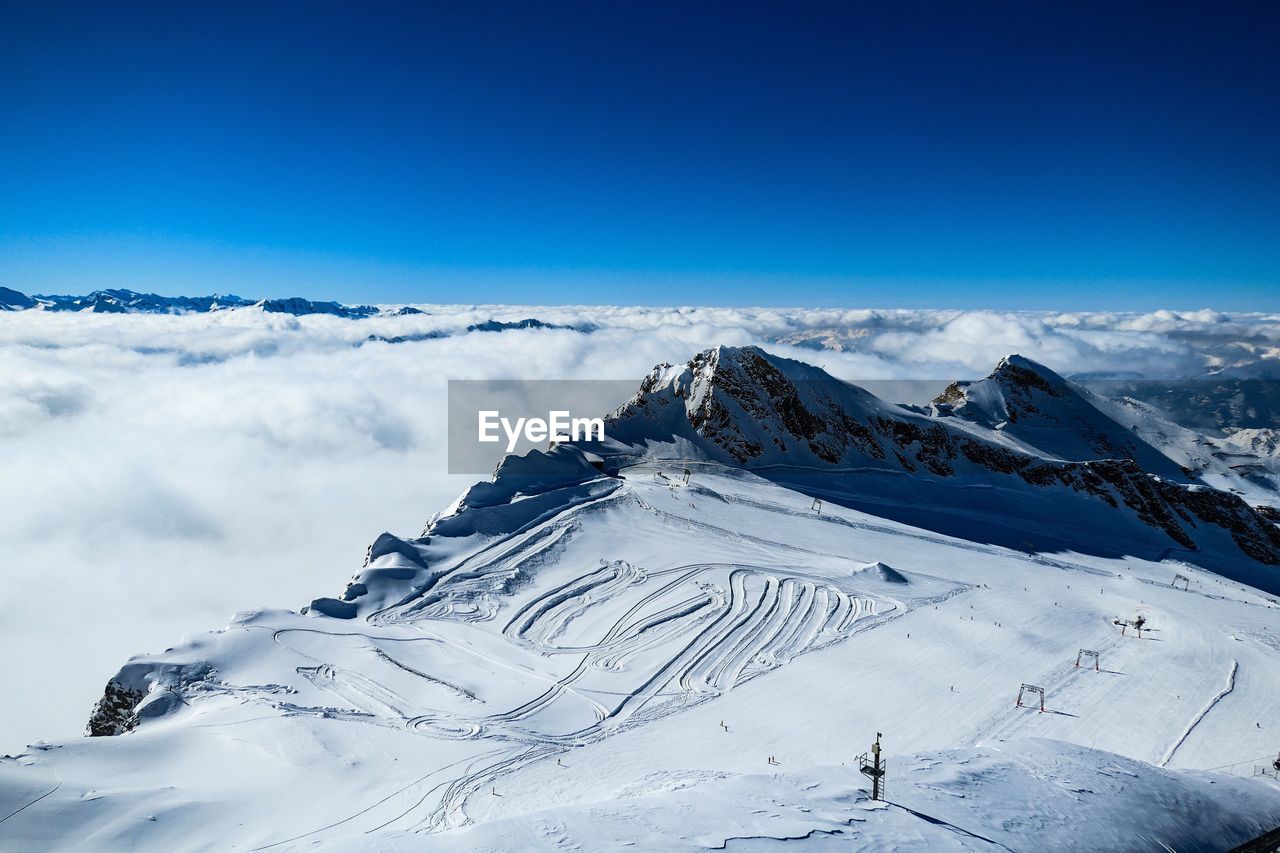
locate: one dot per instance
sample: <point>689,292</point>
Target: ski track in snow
<point>741,634</point>
<point>31,803</point>
<point>722,634</point>
<point>1204,712</point>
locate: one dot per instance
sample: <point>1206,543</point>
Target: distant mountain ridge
<point>12,300</point>
<point>130,302</point>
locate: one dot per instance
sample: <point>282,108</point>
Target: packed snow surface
<point>540,692</point>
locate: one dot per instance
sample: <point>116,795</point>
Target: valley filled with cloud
<point>162,471</point>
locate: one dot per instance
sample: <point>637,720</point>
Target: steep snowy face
<point>1023,430</point>
<point>758,409</point>
<point>749,408</point>
<point>1055,418</point>
<point>1018,387</point>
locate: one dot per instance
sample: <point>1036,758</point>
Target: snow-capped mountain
<point>1060,418</point>
<point>129,302</point>
<point>1022,458</point>
<point>683,637</point>
<point>1258,443</point>
<point>299,307</point>
<point>527,323</point>
<point>1049,416</point>
<point>12,300</point>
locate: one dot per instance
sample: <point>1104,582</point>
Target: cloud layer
<point>160,472</point>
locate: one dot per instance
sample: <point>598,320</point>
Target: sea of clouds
<point>162,472</point>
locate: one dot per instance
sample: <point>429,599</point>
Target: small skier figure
<point>723,726</point>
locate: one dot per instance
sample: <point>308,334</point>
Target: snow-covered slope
<point>965,469</point>
<point>1244,462</point>
<point>1050,416</point>
<point>1261,443</point>
<point>1098,801</point>
<point>589,650</point>
<point>1055,417</point>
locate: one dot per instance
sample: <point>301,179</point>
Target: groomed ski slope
<point>645,650</point>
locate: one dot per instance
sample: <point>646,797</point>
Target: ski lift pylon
<point>1029,689</point>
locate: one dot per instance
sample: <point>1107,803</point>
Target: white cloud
<point>161,472</point>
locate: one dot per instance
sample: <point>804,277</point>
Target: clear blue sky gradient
<point>1011,155</point>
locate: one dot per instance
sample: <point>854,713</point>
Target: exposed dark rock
<point>114,713</point>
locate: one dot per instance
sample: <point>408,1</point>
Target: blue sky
<point>1005,155</point>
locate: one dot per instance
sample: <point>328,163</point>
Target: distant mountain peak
<point>12,300</point>
<point>1020,379</point>
<point>492,325</point>
<point>298,306</point>
<point>1020,370</point>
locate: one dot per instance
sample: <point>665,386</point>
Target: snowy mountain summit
<point>682,637</point>
<point>1008,459</point>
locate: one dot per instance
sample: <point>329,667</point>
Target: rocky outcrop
<point>114,714</point>
<point>144,689</point>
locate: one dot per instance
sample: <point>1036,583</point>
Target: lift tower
<point>874,768</point>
